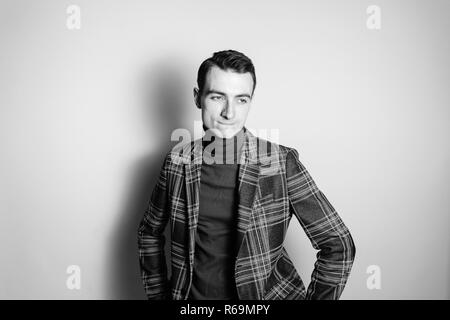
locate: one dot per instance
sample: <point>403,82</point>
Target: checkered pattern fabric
<point>273,185</point>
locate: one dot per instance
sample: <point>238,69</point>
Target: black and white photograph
<point>224,151</point>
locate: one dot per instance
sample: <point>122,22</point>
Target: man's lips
<point>225,123</point>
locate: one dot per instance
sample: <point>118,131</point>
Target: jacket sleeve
<point>151,241</point>
<point>324,228</point>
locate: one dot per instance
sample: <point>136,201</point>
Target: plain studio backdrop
<point>86,117</point>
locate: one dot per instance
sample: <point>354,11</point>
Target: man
<point>228,198</point>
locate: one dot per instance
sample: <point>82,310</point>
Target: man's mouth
<point>225,124</point>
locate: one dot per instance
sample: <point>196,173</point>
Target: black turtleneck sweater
<point>215,242</point>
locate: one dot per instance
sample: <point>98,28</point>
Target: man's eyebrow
<point>244,95</point>
<point>223,94</point>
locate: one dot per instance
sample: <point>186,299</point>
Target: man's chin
<point>224,133</point>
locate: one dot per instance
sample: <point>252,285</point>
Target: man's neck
<point>222,150</point>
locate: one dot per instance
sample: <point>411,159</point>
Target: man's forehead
<point>228,81</point>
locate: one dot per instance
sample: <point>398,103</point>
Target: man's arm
<point>151,241</point>
<point>325,229</point>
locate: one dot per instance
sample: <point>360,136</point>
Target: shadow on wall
<point>165,110</point>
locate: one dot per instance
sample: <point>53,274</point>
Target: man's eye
<point>216,97</point>
<point>243,100</point>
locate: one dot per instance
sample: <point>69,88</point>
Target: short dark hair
<point>226,59</point>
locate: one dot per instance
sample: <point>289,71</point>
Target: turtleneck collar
<point>218,150</point>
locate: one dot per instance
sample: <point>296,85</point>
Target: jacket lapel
<point>192,182</point>
<point>247,180</point>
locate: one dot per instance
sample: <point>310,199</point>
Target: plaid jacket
<point>273,185</point>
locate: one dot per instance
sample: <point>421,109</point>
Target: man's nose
<point>228,111</point>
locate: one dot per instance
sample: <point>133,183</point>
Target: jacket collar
<point>193,152</point>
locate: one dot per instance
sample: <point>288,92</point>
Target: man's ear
<point>197,98</point>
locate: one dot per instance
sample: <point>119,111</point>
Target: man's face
<point>225,101</point>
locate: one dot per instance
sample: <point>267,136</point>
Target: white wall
<point>86,117</point>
